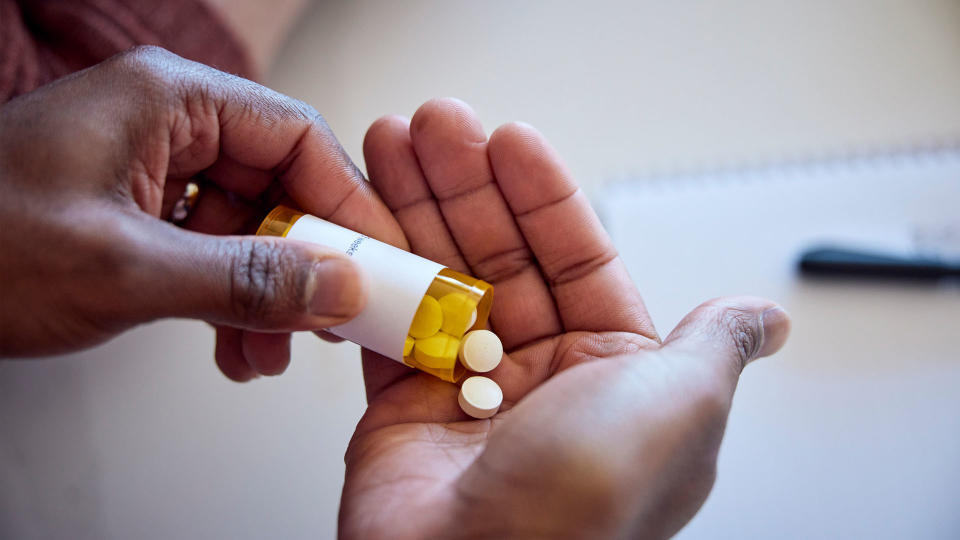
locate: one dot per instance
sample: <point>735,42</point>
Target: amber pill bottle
<point>399,281</point>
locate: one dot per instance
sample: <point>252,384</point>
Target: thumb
<point>261,283</point>
<point>731,332</point>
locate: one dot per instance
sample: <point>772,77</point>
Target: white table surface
<point>142,438</point>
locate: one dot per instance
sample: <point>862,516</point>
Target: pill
<point>408,346</point>
<point>428,319</point>
<point>480,351</point>
<point>459,313</point>
<point>480,397</point>
<point>437,351</point>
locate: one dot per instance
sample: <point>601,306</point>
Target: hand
<point>91,163</point>
<point>605,431</point>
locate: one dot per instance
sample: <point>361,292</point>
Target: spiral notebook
<point>853,429</point>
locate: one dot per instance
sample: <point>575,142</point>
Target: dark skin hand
<point>90,167</point>
<point>605,431</point>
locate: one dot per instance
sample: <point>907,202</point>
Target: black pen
<point>840,261</point>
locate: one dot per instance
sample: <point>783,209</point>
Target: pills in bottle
<point>428,319</point>
<point>480,351</point>
<point>480,397</point>
<point>437,351</point>
<point>459,313</point>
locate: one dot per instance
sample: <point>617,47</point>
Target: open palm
<point>505,210</point>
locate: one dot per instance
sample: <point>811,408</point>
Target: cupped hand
<point>91,165</point>
<point>605,431</point>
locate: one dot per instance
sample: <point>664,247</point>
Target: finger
<point>267,354</point>
<point>264,130</point>
<point>219,212</point>
<point>452,150</point>
<point>396,175</point>
<point>229,355</point>
<point>726,334</point>
<point>208,114</point>
<point>242,180</point>
<point>257,283</point>
<point>591,285</point>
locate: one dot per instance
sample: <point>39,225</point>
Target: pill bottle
<point>417,311</point>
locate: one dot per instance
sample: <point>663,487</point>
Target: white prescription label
<point>397,282</point>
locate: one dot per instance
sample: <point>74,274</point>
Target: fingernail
<point>776,328</point>
<point>339,289</point>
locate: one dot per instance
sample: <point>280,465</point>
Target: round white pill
<point>480,351</point>
<point>480,397</point>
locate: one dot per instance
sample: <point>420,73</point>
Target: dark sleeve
<point>42,40</point>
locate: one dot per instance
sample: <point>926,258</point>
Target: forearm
<point>90,31</point>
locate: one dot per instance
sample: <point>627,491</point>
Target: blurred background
<point>853,430</point>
